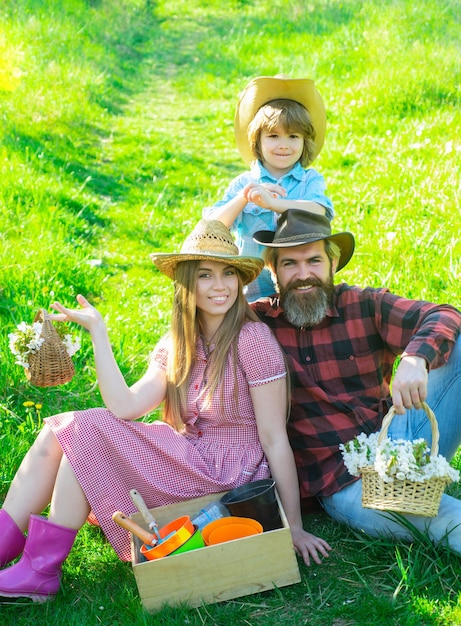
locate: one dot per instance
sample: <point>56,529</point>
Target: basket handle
<point>434,426</point>
<point>41,316</point>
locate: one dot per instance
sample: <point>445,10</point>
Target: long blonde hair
<point>184,333</point>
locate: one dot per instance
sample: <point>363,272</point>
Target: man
<point>341,343</point>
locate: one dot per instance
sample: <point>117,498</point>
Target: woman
<point>225,410</point>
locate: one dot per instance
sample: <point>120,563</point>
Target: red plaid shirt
<point>341,370</point>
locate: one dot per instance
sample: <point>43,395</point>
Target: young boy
<point>279,130</point>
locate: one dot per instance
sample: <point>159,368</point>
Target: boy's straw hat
<point>262,90</point>
<point>297,227</point>
<point>210,240</point>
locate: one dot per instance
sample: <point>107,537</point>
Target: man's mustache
<point>311,282</point>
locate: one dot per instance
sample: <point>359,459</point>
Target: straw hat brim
<point>249,267</point>
<point>266,88</point>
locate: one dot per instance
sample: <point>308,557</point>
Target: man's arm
<point>427,333</point>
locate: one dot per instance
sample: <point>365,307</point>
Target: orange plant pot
<point>181,529</point>
<point>234,525</point>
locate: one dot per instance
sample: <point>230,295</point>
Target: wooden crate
<point>214,573</point>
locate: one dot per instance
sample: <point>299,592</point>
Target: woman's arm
<point>269,403</point>
<point>127,403</point>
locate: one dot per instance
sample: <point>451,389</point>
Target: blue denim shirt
<point>299,183</point>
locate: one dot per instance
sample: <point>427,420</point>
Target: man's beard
<point>309,308</point>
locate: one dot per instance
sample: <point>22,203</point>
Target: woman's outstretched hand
<point>88,316</point>
<point>309,546</point>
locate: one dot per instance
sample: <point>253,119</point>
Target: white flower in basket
<point>403,476</point>
<point>24,341</point>
<point>44,354</point>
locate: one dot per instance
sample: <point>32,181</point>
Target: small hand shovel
<point>139,503</point>
<point>125,522</point>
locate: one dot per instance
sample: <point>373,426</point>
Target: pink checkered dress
<point>218,450</point>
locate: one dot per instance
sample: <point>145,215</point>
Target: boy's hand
<point>263,194</point>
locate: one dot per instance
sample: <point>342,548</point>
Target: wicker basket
<point>51,365</point>
<point>404,496</point>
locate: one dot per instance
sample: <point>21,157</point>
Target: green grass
<point>117,129</point>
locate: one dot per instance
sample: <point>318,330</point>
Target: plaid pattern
<point>219,449</point>
<point>341,371</point>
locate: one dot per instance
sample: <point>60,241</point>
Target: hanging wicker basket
<point>50,365</point>
<point>404,496</point>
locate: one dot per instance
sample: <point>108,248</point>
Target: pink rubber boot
<point>12,539</point>
<point>38,574</point>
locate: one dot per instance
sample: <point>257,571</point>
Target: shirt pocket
<point>346,367</point>
<point>361,373</point>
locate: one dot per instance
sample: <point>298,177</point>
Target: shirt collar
<point>259,171</point>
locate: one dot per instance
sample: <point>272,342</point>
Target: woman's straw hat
<point>210,240</point>
<point>262,90</point>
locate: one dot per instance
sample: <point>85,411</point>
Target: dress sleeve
<point>159,354</point>
<point>260,355</point>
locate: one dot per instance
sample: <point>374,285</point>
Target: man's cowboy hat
<point>262,90</point>
<point>296,228</point>
<point>209,241</point>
